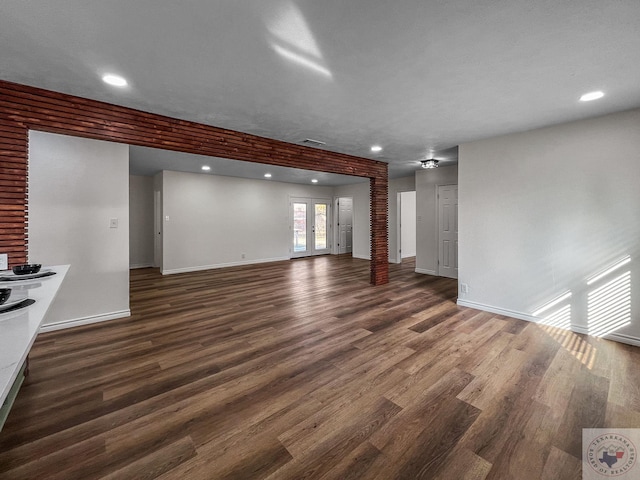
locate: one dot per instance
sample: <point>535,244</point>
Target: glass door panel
<point>320,226</point>
<point>299,227</point>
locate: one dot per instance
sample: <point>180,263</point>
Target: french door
<point>310,226</point>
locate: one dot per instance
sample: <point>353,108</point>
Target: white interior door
<point>310,226</point>
<point>448,231</point>
<point>345,225</point>
<point>157,230</point>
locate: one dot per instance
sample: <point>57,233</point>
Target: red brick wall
<point>13,190</point>
<point>23,108</point>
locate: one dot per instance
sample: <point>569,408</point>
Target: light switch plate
<point>4,261</point>
<point>113,223</point>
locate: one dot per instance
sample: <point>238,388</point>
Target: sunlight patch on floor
<point>574,344</point>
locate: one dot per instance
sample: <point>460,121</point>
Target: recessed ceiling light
<point>115,80</point>
<point>376,148</point>
<point>587,97</point>
<point>206,168</point>
<point>267,175</point>
<point>314,180</point>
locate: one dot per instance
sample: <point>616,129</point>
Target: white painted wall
<point>543,211</point>
<point>408,224</point>
<point>427,182</point>
<point>360,193</point>
<point>213,220</point>
<point>140,221</point>
<point>76,186</point>
<point>396,186</point>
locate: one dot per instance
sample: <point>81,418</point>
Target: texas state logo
<point>610,453</point>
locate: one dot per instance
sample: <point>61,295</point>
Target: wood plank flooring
<point>302,370</point>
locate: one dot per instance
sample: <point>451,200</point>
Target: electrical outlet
<point>243,255</point>
<point>113,223</point>
<point>464,288</point>
<point>4,261</point>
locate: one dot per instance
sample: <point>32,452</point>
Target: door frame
<point>438,186</point>
<point>398,227</point>
<point>157,229</point>
<point>398,252</point>
<point>311,201</point>
<point>336,218</point>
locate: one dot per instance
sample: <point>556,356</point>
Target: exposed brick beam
<point>23,108</point>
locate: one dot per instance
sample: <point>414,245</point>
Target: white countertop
<point>18,329</point>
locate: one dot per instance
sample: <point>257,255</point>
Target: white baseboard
<point>221,265</point>
<point>616,337</point>
<point>361,257</point>
<point>425,271</point>
<point>395,261</point>
<point>500,311</point>
<point>140,265</point>
<point>628,339</point>
<point>76,322</point>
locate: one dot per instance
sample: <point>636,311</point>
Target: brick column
<point>379,230</point>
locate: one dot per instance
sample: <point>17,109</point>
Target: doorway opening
<point>406,226</point>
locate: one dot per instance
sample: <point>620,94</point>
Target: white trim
<point>620,337</point>
<point>616,337</point>
<point>140,265</point>
<point>198,268</point>
<point>362,257</point>
<point>425,271</point>
<point>76,322</point>
<point>498,310</point>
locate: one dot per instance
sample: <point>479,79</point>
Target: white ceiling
<point>414,76</point>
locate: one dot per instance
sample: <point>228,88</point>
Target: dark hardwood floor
<point>302,370</point>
